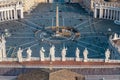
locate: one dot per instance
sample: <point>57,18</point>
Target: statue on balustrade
<point>0,51</point>
<point>42,52</point>
<point>119,49</point>
<point>52,53</point>
<point>19,55</point>
<point>85,54</point>
<point>3,46</point>
<point>107,55</point>
<point>115,36</point>
<point>63,53</point>
<point>29,53</point>
<point>77,54</point>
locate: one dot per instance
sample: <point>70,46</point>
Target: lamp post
<point>7,33</point>
<point>109,31</point>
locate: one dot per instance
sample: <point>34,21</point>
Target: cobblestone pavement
<point>94,32</point>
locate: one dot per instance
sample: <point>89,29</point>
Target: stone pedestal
<point>52,59</point>
<point>42,59</point>
<point>0,59</point>
<point>63,59</point>
<point>106,60</point>
<point>85,60</point>
<point>20,60</point>
<point>77,59</point>
<point>29,59</point>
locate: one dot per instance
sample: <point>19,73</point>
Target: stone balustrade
<point>59,59</point>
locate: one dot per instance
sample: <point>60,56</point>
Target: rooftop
<point>55,75</point>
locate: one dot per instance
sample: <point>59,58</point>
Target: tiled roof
<point>34,75</point>
<point>65,75</point>
<point>48,75</point>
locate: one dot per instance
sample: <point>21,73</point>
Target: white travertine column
<point>22,16</point>
<point>5,15</point>
<point>95,13</point>
<point>2,15</point>
<point>105,14</point>
<point>119,15</point>
<point>15,14</point>
<point>108,13</point>
<point>114,15</point>
<point>101,13</point>
<point>11,15</point>
<point>8,15</point>
<point>111,16</point>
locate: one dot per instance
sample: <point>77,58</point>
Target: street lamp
<point>109,31</point>
<point>7,33</point>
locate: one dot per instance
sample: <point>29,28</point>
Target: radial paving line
<point>89,25</point>
<point>90,44</point>
<point>87,48</point>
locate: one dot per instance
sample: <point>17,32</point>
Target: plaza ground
<point>93,32</point>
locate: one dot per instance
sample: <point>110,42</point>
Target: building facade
<point>11,10</point>
<point>106,10</point>
<point>103,9</point>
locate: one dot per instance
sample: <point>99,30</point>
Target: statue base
<point>77,59</point>
<point>52,59</point>
<point>106,60</point>
<point>85,60</point>
<point>42,59</point>
<point>20,61</point>
<point>63,59</point>
<point>0,60</point>
<point>28,59</point>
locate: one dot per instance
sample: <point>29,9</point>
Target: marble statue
<point>85,54</point>
<point>19,55</point>
<point>29,53</point>
<point>77,54</point>
<point>107,55</point>
<point>52,53</point>
<point>0,51</point>
<point>115,36</point>
<point>119,49</point>
<point>63,53</point>
<point>42,52</point>
<point>3,46</point>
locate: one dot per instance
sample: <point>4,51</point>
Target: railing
<point>59,59</point>
<point>114,61</point>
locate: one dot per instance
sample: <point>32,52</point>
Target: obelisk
<point>57,19</point>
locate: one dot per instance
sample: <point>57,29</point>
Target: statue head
<point>77,48</point>
<point>29,48</point>
<point>42,49</point>
<point>53,46</point>
<point>19,48</point>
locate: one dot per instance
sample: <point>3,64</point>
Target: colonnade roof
<point>8,2</point>
<point>110,4</point>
